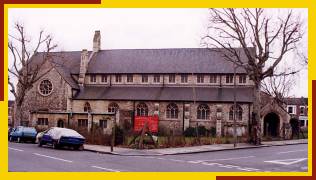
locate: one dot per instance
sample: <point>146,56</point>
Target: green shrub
<point>190,132</point>
<point>213,131</point>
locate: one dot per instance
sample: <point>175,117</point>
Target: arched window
<point>203,111</point>
<point>87,107</point>
<point>113,107</point>
<point>238,113</point>
<point>172,111</point>
<point>142,109</point>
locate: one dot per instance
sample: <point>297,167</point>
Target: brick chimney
<point>97,41</point>
<point>83,66</point>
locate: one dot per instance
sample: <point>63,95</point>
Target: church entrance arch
<point>271,125</point>
<point>60,123</point>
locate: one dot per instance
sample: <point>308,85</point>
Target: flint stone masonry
<point>72,89</point>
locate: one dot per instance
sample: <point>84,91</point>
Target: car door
<point>47,137</point>
<point>16,132</point>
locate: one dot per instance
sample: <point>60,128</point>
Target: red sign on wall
<point>152,121</point>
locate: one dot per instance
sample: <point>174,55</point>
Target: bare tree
<point>23,69</point>
<point>279,87</point>
<point>270,37</point>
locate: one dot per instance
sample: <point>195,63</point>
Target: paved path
<point>29,157</point>
<point>186,150</point>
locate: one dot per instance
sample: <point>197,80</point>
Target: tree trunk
<point>255,134</point>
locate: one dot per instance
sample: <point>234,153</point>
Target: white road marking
<point>16,149</point>
<point>51,157</point>
<point>211,164</point>
<point>287,161</point>
<point>229,166</point>
<point>194,162</point>
<point>246,169</point>
<point>226,159</point>
<point>176,160</point>
<point>292,151</point>
<point>107,169</point>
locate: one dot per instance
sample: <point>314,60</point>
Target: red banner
<point>152,121</point>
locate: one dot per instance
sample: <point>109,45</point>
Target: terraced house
<point>184,87</point>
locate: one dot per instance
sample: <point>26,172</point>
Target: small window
<point>172,78</point>
<point>203,112</point>
<point>104,78</point>
<point>242,79</point>
<point>200,78</point>
<point>87,107</point>
<point>113,107</point>
<point>118,78</point>
<point>46,87</point>
<point>229,78</point>
<point>238,113</point>
<point>42,121</point>
<point>172,111</point>
<point>103,124</point>
<point>142,109</point>
<point>93,78</point>
<point>302,110</point>
<point>290,110</point>
<point>213,79</point>
<point>184,78</point>
<point>129,78</point>
<point>144,78</point>
<point>156,78</point>
<point>82,122</point>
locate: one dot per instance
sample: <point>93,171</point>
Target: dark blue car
<point>21,134</point>
<point>61,137</point>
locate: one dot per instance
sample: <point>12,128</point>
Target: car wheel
<point>19,140</point>
<point>55,145</point>
<point>80,148</point>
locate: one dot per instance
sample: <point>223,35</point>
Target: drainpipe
<point>183,117</point>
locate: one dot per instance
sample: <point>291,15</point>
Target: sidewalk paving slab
<point>186,150</point>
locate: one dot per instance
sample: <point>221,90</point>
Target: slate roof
<point>184,60</point>
<point>138,61</point>
<point>214,94</point>
<point>296,101</point>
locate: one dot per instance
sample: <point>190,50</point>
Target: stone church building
<point>184,87</point>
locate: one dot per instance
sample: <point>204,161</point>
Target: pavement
<point>186,150</point>
<point>26,157</point>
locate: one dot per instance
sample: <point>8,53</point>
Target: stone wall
<point>56,101</point>
<point>101,106</point>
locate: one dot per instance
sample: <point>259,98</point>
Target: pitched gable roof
<point>125,61</point>
<point>182,60</point>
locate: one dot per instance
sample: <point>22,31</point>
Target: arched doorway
<point>60,123</point>
<point>271,125</point>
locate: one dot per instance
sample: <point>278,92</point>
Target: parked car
<point>40,135</point>
<point>9,132</point>
<point>61,137</point>
<point>22,133</point>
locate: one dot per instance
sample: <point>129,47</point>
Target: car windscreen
<point>57,133</point>
<point>30,130</point>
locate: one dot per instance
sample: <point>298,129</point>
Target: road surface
<point>29,157</point>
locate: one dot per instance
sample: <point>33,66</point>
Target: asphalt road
<point>29,157</point>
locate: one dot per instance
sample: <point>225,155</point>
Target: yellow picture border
<point>4,174</point>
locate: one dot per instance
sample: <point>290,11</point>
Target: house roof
<point>215,94</point>
<point>296,101</point>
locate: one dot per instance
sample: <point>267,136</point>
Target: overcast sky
<point>73,29</point>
